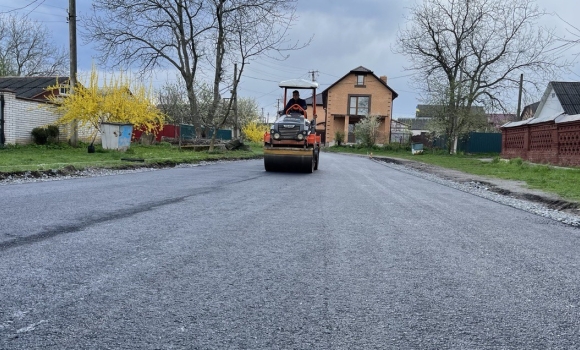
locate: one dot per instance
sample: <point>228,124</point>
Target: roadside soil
<point>515,189</point>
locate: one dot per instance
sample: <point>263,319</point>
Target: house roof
<point>430,111</point>
<point>360,69</point>
<point>416,123</point>
<point>29,87</point>
<point>568,94</point>
<point>531,107</point>
<point>318,99</point>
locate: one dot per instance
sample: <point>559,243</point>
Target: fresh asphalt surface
<point>227,256</point>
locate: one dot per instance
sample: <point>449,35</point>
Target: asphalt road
<point>227,256</point>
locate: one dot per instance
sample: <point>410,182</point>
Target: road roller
<point>291,144</point>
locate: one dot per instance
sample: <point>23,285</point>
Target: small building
<point>22,102</point>
<point>553,134</point>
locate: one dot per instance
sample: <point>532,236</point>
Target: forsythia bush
<point>117,101</point>
<point>255,131</point>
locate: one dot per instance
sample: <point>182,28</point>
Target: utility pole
<point>235,101</point>
<point>278,105</point>
<point>72,27</point>
<point>262,113</point>
<point>313,72</point>
<point>518,117</point>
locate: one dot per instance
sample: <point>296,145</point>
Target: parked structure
<point>553,134</point>
<point>22,107</point>
<point>356,95</point>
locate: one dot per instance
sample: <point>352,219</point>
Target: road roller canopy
<point>298,84</point>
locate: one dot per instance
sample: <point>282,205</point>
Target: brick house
<point>350,99</point>
<point>553,135</point>
<point>21,107</point>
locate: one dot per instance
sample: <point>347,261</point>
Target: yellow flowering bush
<point>255,131</point>
<point>117,101</point>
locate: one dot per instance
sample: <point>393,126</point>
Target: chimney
<point>384,78</point>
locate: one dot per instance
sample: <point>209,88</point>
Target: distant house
<point>400,132</point>
<point>529,111</point>
<point>495,121</point>
<point>417,126</point>
<point>21,102</point>
<point>352,98</point>
<point>552,135</point>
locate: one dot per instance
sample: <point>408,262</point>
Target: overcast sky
<point>345,34</point>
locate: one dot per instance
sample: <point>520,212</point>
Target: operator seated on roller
<point>295,100</point>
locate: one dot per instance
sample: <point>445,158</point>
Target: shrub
<point>43,135</point>
<point>367,131</point>
<point>52,132</point>
<point>339,138</point>
<point>255,132</point>
<point>39,135</point>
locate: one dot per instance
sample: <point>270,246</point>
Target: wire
<point>274,81</point>
<point>34,11</point>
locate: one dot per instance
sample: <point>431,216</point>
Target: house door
<point>351,138</point>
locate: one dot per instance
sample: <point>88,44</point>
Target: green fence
<point>480,142</point>
<point>187,132</point>
<point>474,142</point>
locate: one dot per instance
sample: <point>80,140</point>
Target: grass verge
<point>15,159</point>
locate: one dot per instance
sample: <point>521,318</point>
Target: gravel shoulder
<point>509,189</point>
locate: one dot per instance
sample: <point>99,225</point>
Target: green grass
<point>561,181</point>
<point>54,157</point>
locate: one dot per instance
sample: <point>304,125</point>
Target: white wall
<point>21,116</point>
<point>552,106</point>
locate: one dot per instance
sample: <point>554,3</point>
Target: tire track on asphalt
<point>103,217</point>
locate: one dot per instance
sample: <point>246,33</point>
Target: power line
<point>274,81</point>
<point>35,11</point>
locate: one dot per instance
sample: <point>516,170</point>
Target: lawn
<point>58,156</point>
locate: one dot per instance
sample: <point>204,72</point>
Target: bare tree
<point>572,41</point>
<point>189,35</point>
<point>26,49</point>
<point>473,52</point>
<point>152,34</point>
<point>244,30</point>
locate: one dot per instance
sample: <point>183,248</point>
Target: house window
<point>359,105</point>
<point>64,90</point>
<point>360,79</point>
